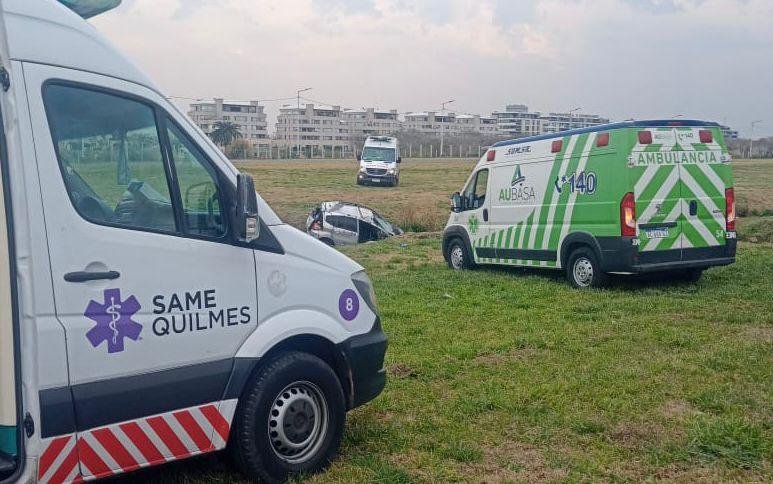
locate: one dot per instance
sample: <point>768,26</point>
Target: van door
<point>154,295</point>
<point>476,216</point>
<point>657,192</point>
<point>704,177</point>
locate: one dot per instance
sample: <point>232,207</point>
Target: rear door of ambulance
<point>657,192</point>
<point>704,174</point>
<point>9,451</point>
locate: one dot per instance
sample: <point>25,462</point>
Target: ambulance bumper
<point>620,255</point>
<point>365,357</point>
<point>364,178</point>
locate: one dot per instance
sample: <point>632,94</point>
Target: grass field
<point>502,375</point>
<point>421,202</point>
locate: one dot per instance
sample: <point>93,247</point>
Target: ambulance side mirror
<point>247,221</point>
<point>399,159</point>
<point>456,202</point>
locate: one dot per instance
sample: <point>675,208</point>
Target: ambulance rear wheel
<point>290,420</point>
<point>458,256</point>
<point>583,270</point>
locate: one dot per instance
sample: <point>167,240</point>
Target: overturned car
<point>343,223</point>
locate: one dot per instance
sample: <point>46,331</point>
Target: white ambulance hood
<point>47,32</point>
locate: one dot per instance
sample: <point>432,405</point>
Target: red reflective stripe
<point>192,427</point>
<point>66,468</point>
<point>220,424</point>
<point>140,440</point>
<point>167,435</point>
<point>51,453</point>
<point>116,449</point>
<point>91,460</point>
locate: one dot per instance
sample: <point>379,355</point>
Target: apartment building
<point>312,131</point>
<point>371,122</point>
<point>248,116</point>
<point>517,121</point>
<point>474,123</point>
<point>728,132</point>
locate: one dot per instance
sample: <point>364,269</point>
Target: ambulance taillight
<point>706,136</point>
<point>729,209</point>
<point>628,216</point>
<point>491,155</point>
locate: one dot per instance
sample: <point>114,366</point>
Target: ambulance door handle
<point>693,208</point>
<point>485,215</point>
<point>84,276</point>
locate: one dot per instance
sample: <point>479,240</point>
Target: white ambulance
<point>152,307</point>
<point>379,161</point>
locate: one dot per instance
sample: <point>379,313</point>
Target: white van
<point>152,307</point>
<point>380,161</point>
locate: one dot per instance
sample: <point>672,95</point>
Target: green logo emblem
<point>517,176</point>
<point>473,223</point>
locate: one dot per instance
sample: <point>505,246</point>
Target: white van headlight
<point>391,171</point>
<point>365,288</point>
<point>362,169</point>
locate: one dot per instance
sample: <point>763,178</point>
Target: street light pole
<point>298,124</point>
<point>442,129</point>
<point>751,137</point>
<point>571,111</point>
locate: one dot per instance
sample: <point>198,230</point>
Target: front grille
<point>376,171</point>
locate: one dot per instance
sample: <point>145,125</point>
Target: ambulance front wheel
<point>290,420</point>
<point>583,269</point>
<point>458,255</point>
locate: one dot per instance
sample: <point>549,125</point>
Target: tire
<point>583,270</point>
<point>396,182</point>
<point>290,419</point>
<point>458,256</point>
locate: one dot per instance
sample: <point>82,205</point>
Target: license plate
<point>376,180</point>
<point>657,233</point>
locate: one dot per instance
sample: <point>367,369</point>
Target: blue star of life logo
<point>113,320</point>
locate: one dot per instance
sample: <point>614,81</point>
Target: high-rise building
<point>517,121</point>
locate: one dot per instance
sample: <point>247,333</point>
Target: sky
<point>705,59</point>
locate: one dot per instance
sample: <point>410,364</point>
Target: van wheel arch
<point>577,240</point>
<point>318,346</point>
<point>455,233</point>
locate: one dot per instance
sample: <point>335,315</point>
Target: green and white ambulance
<point>631,197</point>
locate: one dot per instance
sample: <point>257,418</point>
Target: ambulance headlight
<point>362,169</point>
<point>365,288</point>
<point>391,171</point>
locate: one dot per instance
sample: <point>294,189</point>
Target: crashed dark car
<point>343,223</point>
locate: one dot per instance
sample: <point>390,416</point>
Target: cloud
<point>624,58</point>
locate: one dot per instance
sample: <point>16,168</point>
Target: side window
<point>110,156</point>
<point>334,221</point>
<point>199,188</point>
<point>349,224</point>
<point>475,193</point>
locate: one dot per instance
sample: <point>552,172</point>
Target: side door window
<point>199,187</point>
<point>475,193</point>
<point>110,156</point>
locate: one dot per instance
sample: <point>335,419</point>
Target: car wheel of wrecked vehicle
<point>290,420</point>
<point>458,256</point>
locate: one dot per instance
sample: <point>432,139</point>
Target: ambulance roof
<point>47,32</point>
<point>649,123</point>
